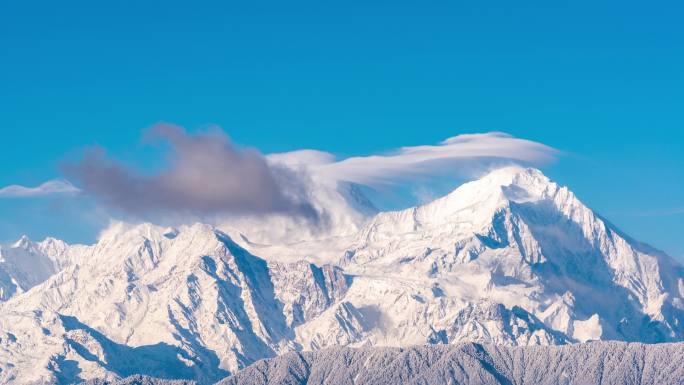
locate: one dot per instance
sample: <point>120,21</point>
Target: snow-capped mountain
<point>515,238</point>
<point>26,264</point>
<point>511,258</point>
<point>188,304</point>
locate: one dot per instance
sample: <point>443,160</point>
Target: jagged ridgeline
<point>511,259</point>
<point>608,363</point>
<point>472,364</point>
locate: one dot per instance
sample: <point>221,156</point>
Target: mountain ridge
<point>591,363</point>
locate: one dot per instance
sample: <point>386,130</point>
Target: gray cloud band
<point>206,174</point>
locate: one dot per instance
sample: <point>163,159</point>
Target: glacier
<point>509,260</point>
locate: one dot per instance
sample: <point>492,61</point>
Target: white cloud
<point>55,186</point>
<point>297,158</point>
<point>459,155</point>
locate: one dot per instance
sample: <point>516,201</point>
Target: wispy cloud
<point>51,187</point>
<point>462,154</point>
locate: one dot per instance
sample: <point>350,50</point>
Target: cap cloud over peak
<point>206,177</point>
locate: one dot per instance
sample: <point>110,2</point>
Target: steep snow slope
<point>472,364</point>
<point>511,259</point>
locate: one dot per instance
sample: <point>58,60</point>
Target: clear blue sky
<point>602,81</point>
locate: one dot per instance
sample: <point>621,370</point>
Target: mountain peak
<point>513,179</point>
<point>509,172</point>
<point>23,243</point>
<point>498,187</point>
<point>485,195</point>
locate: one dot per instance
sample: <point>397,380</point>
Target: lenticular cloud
<point>51,187</point>
<point>460,154</point>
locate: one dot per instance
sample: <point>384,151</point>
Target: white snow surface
<point>510,259</point>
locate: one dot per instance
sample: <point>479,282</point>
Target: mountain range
<point>509,260</point>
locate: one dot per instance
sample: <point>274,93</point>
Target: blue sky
<point>600,81</point>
